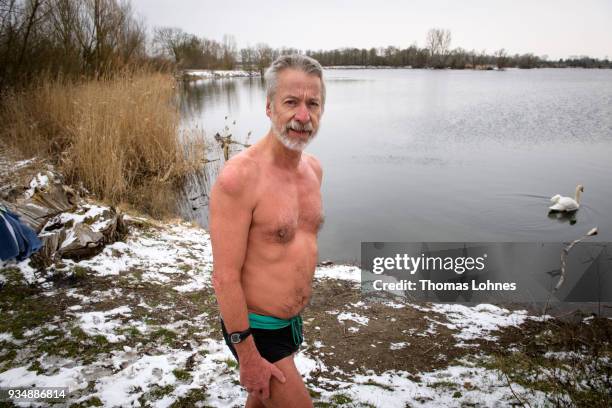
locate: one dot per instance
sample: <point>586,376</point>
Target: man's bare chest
<point>285,208</point>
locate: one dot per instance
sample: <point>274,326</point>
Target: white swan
<point>567,204</point>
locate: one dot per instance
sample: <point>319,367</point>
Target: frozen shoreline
<point>177,257</point>
<point>138,323</point>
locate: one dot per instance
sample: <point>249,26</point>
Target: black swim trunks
<point>273,345</point>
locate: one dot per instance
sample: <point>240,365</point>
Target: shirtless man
<point>265,212</point>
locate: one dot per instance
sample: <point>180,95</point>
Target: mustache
<point>299,127</point>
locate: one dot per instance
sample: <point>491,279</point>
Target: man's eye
<point>290,103</point>
<point>314,104</point>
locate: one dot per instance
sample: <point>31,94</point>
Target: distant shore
<point>197,74</point>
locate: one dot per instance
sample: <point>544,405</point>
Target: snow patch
<point>96,323</point>
<point>354,317</point>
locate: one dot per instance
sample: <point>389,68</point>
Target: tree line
<point>68,37</point>
<point>76,38</point>
<point>190,51</point>
<point>437,53</point>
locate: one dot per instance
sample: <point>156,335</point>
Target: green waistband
<point>257,321</point>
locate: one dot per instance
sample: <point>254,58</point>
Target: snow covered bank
<point>212,74</point>
<point>138,324</point>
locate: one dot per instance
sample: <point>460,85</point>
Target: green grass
<point>184,267</point>
<point>91,402</point>
<point>26,310</point>
<point>377,384</point>
<point>131,331</point>
<point>79,272</point>
<point>158,391</point>
<point>189,400</point>
<point>341,399</point>
<point>443,384</point>
<point>166,336</point>
<point>75,344</point>
<point>35,366</point>
<point>100,340</point>
<point>230,362</point>
<point>181,375</point>
<point>585,382</point>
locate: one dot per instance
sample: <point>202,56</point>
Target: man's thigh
<point>293,392</point>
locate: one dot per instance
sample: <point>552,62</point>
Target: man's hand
<point>256,374</point>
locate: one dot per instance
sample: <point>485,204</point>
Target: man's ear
<point>268,108</point>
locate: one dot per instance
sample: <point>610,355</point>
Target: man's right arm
<point>231,207</point>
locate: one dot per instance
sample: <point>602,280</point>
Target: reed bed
<point>117,136</point>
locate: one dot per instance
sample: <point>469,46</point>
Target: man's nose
<point>302,115</point>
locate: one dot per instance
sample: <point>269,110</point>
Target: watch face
<point>235,338</point>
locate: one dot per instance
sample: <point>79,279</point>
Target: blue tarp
<point>17,240</point>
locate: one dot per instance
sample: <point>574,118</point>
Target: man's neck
<point>281,155</point>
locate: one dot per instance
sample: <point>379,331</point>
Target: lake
<point>437,155</point>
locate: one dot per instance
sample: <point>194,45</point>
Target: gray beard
<point>282,135</point>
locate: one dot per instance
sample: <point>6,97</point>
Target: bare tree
<point>247,58</point>
<point>229,51</point>
<point>264,55</point>
<point>501,58</point>
<point>438,42</point>
<point>169,41</point>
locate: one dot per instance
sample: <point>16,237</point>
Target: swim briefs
<point>274,338</point>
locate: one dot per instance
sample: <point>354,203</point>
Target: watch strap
<point>239,336</point>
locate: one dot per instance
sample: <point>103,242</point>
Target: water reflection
<point>417,155</point>
<point>193,199</point>
<point>563,217</point>
<point>212,102</point>
<point>196,97</point>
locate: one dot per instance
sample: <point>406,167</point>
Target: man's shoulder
<point>238,174</point>
<point>314,164</point>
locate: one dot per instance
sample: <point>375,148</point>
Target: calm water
<point>420,155</point>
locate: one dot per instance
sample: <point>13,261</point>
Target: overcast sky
<point>557,28</point>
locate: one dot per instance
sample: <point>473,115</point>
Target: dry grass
<point>119,136</point>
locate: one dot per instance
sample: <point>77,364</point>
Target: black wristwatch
<point>237,337</point>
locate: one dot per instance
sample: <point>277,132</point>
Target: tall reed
<point>119,136</point>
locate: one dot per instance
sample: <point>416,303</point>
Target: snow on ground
<point>353,317</point>
<point>178,251</point>
<point>39,181</point>
<point>474,386</point>
<point>453,386</point>
<point>343,272</point>
<point>23,163</point>
<point>398,346</point>
<point>87,211</point>
<point>476,321</point>
<point>28,273</point>
<point>98,323</point>
<point>22,377</point>
<point>179,257</point>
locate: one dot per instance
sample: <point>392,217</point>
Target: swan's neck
<point>578,195</point>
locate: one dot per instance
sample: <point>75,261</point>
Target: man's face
<point>296,109</point>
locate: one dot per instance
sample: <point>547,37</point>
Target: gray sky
<point>557,28</point>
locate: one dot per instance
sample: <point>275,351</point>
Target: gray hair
<point>295,61</point>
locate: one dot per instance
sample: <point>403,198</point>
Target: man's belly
<point>280,285</point>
